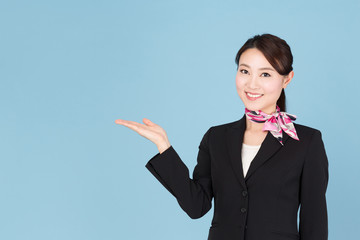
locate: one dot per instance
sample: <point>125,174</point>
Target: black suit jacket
<point>264,204</point>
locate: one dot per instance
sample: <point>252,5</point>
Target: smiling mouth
<point>251,96</point>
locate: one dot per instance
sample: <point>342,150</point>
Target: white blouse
<point>248,153</point>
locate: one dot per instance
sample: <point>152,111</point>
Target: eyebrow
<point>264,68</point>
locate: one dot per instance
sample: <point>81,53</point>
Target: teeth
<point>253,95</point>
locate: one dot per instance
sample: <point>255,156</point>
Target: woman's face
<point>256,75</point>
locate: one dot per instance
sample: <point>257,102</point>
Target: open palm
<point>149,130</point>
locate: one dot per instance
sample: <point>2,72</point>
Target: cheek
<point>240,82</point>
<point>272,87</point>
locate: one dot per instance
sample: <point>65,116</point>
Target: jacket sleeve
<point>315,176</point>
<point>193,195</point>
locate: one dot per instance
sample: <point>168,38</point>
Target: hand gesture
<point>149,130</point>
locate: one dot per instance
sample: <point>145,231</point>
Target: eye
<point>243,70</point>
<point>267,74</point>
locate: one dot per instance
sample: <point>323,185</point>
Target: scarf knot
<point>276,122</point>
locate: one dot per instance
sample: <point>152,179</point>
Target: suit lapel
<point>234,137</point>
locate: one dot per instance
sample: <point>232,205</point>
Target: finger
<point>130,124</point>
<point>148,122</point>
<point>123,122</point>
<point>118,121</point>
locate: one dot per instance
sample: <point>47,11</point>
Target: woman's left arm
<point>315,176</point>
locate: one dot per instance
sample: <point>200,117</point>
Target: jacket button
<point>244,193</point>
<point>243,210</point>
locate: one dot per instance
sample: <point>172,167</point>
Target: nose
<point>253,83</point>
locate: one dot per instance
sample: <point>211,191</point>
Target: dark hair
<point>276,51</point>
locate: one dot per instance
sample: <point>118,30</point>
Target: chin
<point>253,106</point>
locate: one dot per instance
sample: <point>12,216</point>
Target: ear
<point>287,79</point>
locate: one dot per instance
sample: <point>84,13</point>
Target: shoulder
<point>222,128</point>
<point>304,131</point>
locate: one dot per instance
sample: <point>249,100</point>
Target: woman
<point>260,169</point>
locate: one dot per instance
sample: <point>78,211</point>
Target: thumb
<point>148,122</point>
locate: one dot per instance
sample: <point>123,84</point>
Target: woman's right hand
<point>150,130</point>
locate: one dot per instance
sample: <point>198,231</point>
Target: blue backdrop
<point>68,69</point>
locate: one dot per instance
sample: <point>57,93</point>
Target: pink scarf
<point>275,122</point>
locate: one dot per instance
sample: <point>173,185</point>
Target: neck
<point>254,126</point>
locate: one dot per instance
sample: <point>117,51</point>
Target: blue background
<point>68,69</point>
